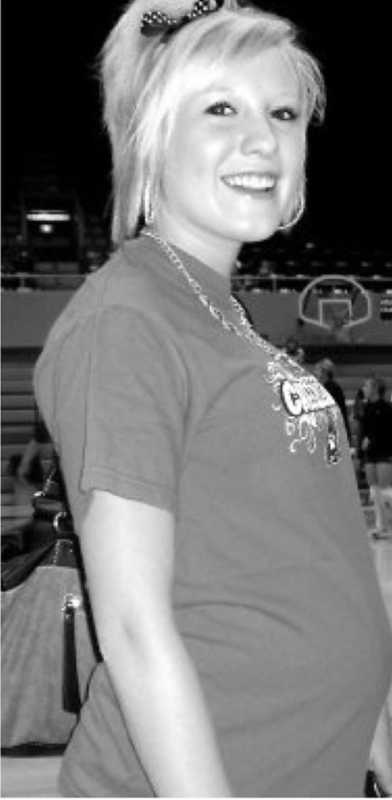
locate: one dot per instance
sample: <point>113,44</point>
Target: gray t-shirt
<point>275,594</point>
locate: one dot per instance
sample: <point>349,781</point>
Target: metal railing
<point>275,282</point>
<point>278,282</point>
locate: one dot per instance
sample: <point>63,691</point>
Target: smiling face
<point>235,160</point>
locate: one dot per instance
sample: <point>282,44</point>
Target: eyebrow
<point>287,98</point>
<point>211,89</point>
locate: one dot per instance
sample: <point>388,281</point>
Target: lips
<point>251,181</point>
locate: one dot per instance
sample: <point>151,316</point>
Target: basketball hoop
<point>336,303</point>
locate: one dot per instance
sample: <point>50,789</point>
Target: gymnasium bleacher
<point>17,410</point>
<point>50,241</point>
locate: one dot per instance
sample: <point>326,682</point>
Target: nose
<point>258,137</point>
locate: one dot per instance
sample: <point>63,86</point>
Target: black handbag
<point>49,643</point>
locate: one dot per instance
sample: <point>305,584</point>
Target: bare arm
<point>128,549</point>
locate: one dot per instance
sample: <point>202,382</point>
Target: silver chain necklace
<point>245,331</point>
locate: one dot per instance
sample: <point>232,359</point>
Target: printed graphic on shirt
<point>311,415</point>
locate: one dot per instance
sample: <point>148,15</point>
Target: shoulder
<point>129,294</point>
<point>130,278</point>
<point>114,331</point>
<point>131,284</point>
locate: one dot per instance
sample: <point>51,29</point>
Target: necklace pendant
<point>244,331</point>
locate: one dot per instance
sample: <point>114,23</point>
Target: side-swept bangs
<point>192,59</point>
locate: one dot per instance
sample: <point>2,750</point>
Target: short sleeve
<point>135,409</point>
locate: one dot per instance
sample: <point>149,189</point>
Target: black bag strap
<point>71,691</point>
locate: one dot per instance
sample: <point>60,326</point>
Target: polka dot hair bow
<point>155,22</point>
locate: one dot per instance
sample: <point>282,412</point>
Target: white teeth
<point>251,181</point>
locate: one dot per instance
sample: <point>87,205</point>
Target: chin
<point>257,232</point>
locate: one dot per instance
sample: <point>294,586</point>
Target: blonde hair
<point>145,79</point>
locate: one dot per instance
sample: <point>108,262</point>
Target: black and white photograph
<point>196,399</point>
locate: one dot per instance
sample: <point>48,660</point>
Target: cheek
<point>184,162</point>
<point>292,146</point>
<point>203,151</point>
<point>293,162</point>
<point>205,155</point>
<point>297,155</point>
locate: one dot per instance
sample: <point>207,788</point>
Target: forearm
<point>167,718</point>
<point>130,582</point>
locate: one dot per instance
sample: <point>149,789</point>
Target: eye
<point>221,109</point>
<point>285,114</point>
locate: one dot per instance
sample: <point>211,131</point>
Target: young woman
<point>246,650</point>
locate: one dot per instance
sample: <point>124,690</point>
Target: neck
<point>214,254</point>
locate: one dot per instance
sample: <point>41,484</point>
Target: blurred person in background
<point>29,468</point>
<point>376,446</point>
<point>325,372</point>
<point>293,349</point>
<point>355,420</point>
<point>36,456</point>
